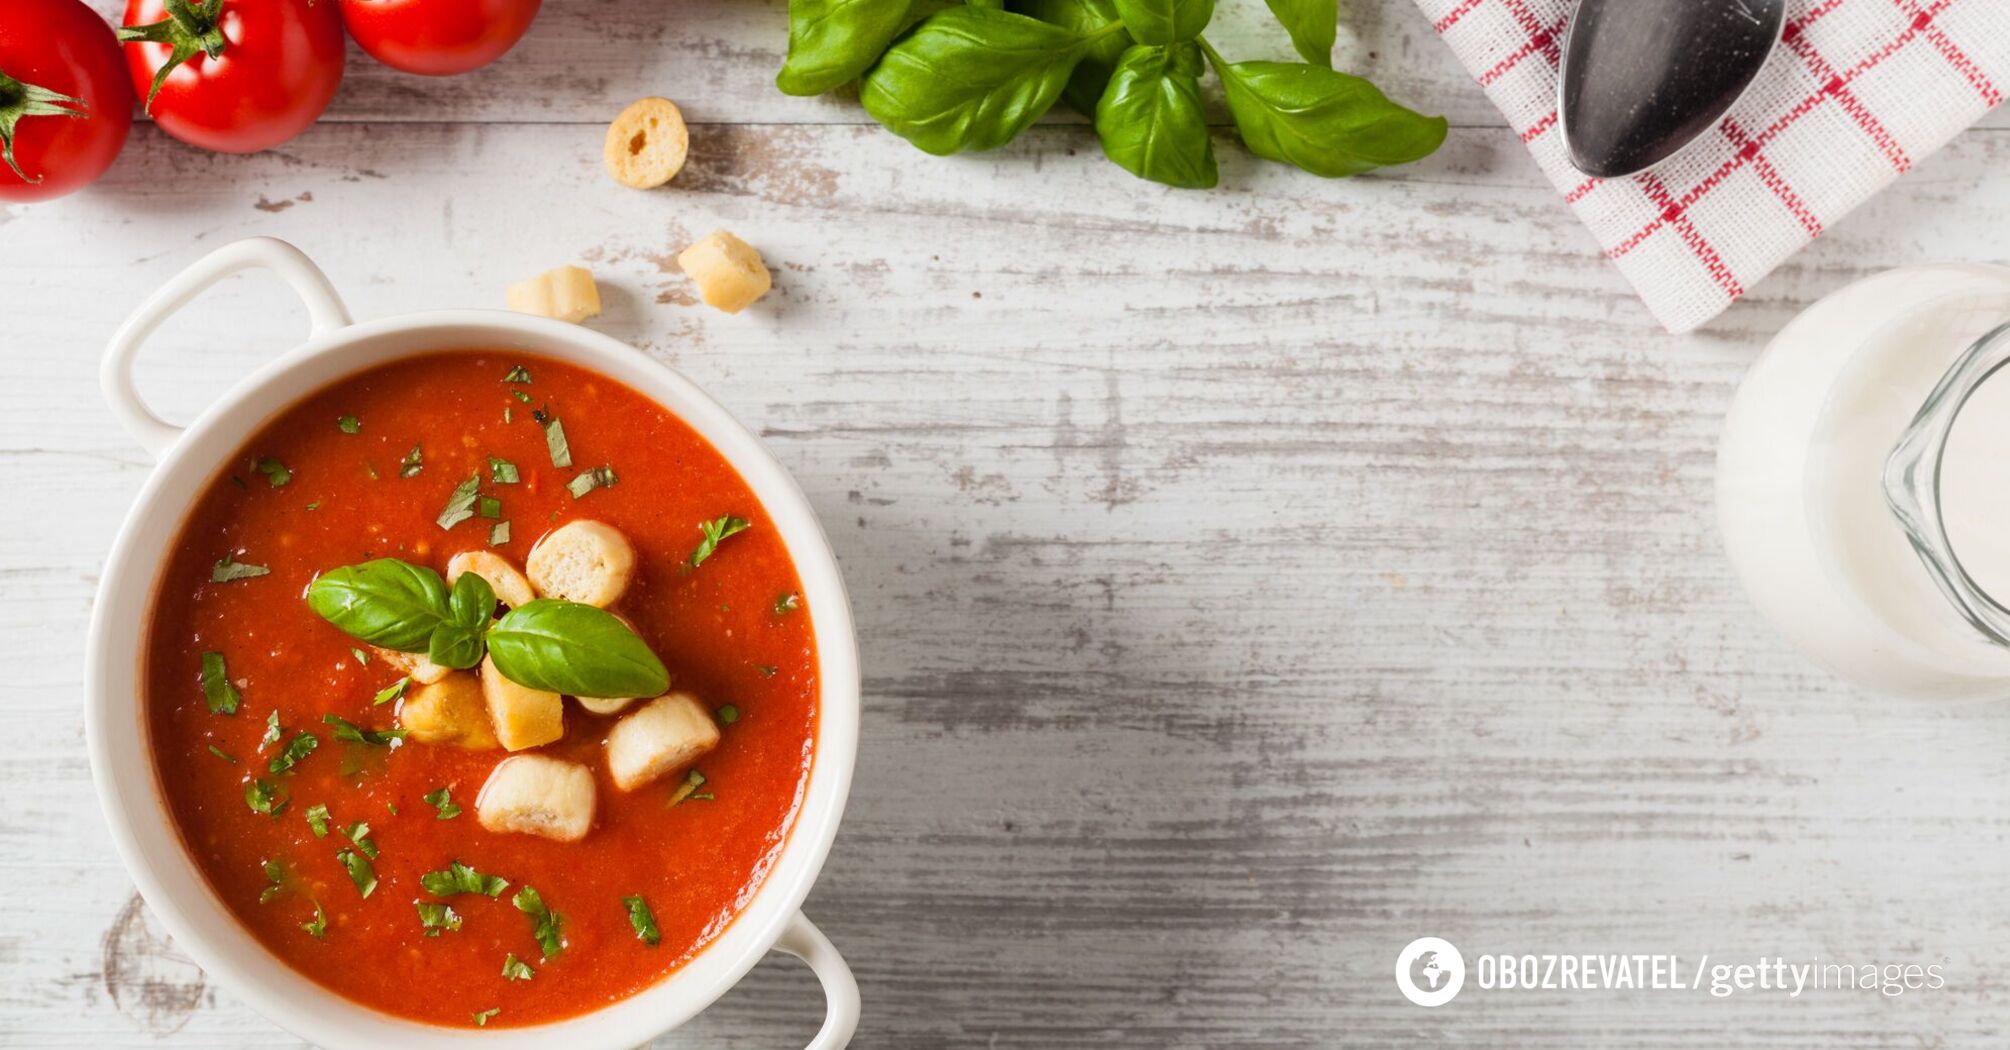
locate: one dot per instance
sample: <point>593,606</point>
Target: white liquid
<point>1799,481</point>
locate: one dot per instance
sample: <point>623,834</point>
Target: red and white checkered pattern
<point>1857,91</point>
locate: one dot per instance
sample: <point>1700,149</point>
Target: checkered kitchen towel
<point>1857,91</point>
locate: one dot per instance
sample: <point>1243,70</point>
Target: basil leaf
<point>217,690</point>
<point>473,601</point>
<point>222,754</point>
<point>1330,124</point>
<point>544,922</point>
<point>1092,73</point>
<point>971,78</point>
<point>302,745</point>
<point>458,642</point>
<point>361,872</point>
<point>517,374</point>
<point>319,926</point>
<point>275,472</point>
<point>355,734</point>
<point>1151,120</point>
<point>555,443</point>
<point>348,424</point>
<point>453,645</point>
<point>499,534</point>
<point>727,714</point>
<point>565,647</point>
<point>833,41</point>
<point>264,796</point>
<point>384,602</point>
<point>226,570</point>
<point>436,917</point>
<point>1165,21</point>
<point>715,530</point>
<point>459,878</point>
<point>359,833</point>
<point>693,780</point>
<point>413,462</point>
<point>516,969</point>
<point>275,881</point>
<point>482,1016</point>
<point>272,734</point>
<point>317,819</point>
<point>461,504</point>
<point>788,603</point>
<point>489,507</point>
<point>639,917</point>
<point>391,692</point>
<point>503,472</point>
<point>1313,25</point>
<point>442,800</point>
<point>598,477</point>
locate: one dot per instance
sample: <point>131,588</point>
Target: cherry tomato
<point>65,104</point>
<point>235,76</point>
<point>438,37</point>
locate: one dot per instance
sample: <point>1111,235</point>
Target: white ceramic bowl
<point>129,788</point>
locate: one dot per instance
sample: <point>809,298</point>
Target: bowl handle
<point>325,313</point>
<point>804,941</point>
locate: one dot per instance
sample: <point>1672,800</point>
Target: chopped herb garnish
<point>640,918</point>
<point>226,570</point>
<point>317,819</point>
<point>393,807</point>
<point>264,796</point>
<point>217,689</point>
<point>319,926</point>
<point>518,374</point>
<point>222,754</point>
<point>362,658</point>
<point>360,871</point>
<point>499,534</point>
<point>693,780</point>
<point>349,424</point>
<point>788,603</point>
<point>275,472</point>
<point>437,917</point>
<point>544,922</point>
<point>489,507</point>
<point>413,462</point>
<point>554,442</point>
<point>716,530</point>
<point>766,670</point>
<point>239,482</point>
<point>272,733</point>
<point>391,692</point>
<point>275,876</point>
<point>459,878</point>
<point>302,745</point>
<point>508,416</point>
<point>597,478</point>
<point>316,505</point>
<point>482,1016</point>
<point>728,715</point>
<point>355,734</point>
<point>516,969</point>
<point>503,472</point>
<point>359,833</point>
<point>521,396</point>
<point>444,802</point>
<point>460,505</point>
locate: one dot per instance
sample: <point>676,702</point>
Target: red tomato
<point>242,76</point>
<point>65,105</point>
<point>438,37</point>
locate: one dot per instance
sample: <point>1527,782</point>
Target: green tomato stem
<point>189,29</point>
<point>18,100</point>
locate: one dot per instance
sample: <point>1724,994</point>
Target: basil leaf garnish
<point>302,745</point>
<point>264,796</point>
<point>217,690</point>
<point>413,462</point>
<point>578,650</point>
<point>1313,25</point>
<point>831,42</point>
<point>544,923</point>
<point>461,505</point>
<point>443,800</point>
<point>436,917</point>
<point>1327,123</point>
<point>348,424</point>
<point>1151,120</point>
<point>555,443</point>
<point>644,922</point>
<point>971,78</point>
<point>355,734</point>
<point>458,642</point>
<point>1099,60</point>
<point>384,602</point>
<point>460,878</point>
<point>1166,21</point>
<point>275,472</point>
<point>503,472</point>
<point>499,534</point>
<point>361,871</point>
<point>517,374</point>
<point>317,819</point>
<point>227,570</point>
<point>715,530</point>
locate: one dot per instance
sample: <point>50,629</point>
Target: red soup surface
<point>364,469</point>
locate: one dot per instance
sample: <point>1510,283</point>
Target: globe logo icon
<point>1430,971</point>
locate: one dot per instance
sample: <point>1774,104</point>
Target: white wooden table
<point>1249,581</point>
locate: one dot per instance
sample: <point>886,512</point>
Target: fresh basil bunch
<point>558,646</point>
<point>951,77</point>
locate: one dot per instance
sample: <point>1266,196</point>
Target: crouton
<point>416,666</point>
<point>667,734</point>
<point>567,294</point>
<point>728,271</point>
<point>646,145</point>
<point>449,711</point>
<point>537,795</point>
<point>605,705</point>
<point>582,561</point>
<point>509,585</point>
<point>523,717</point>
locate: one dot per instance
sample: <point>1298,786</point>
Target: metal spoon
<point>1641,79</point>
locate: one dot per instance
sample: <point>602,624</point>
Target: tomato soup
<point>341,855</point>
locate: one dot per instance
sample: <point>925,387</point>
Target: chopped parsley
<point>226,570</point>
<point>518,374</point>
<point>461,505</point>
<point>391,692</point>
<point>222,754</point>
<point>317,819</point>
<point>413,462</point>
<point>217,689</point>
<point>355,734</point>
<point>520,396</point>
<point>716,530</point>
<point>544,923</point>
<point>362,658</point>
<point>482,1016</point>
<point>302,745</point>
<point>459,878</point>
<point>554,442</point>
<point>359,833</point>
<point>499,534</point>
<point>360,871</point>
<point>489,507</point>
<point>788,603</point>
<point>275,878</point>
<point>264,796</point>
<point>687,791</point>
<point>275,472</point>
<point>597,478</point>
<point>443,801</point>
<point>516,969</point>
<point>728,714</point>
<point>349,424</point>
<point>319,927</point>
<point>272,733</point>
<point>437,917</point>
<point>503,472</point>
<point>644,922</point>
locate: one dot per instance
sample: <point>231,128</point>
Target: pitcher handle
<point>325,313</point>
<point>804,941</point>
